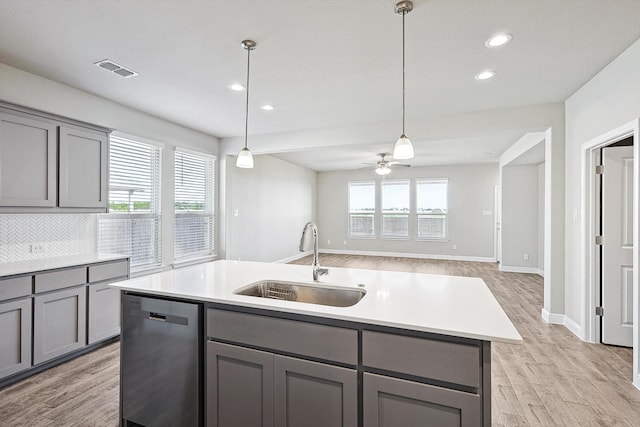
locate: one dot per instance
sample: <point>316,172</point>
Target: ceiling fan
<point>383,166</point>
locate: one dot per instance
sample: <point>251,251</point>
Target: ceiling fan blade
<point>395,163</point>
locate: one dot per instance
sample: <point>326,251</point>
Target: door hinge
<point>599,240</point>
<point>599,169</point>
<point>599,311</point>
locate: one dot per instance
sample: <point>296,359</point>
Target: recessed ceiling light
<point>485,75</point>
<point>499,40</point>
<point>237,87</point>
<point>268,107</point>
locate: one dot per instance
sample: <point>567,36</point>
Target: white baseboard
<point>293,257</point>
<point>562,319</point>
<point>409,255</point>
<point>515,269</point>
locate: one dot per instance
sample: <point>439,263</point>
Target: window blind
<point>194,205</point>
<point>132,226</point>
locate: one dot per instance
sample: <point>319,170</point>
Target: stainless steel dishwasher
<point>161,356</point>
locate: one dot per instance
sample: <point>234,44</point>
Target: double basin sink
<point>301,292</point>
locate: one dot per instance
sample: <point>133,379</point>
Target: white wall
<point>26,89</point>
<point>520,218</point>
<point>470,193</point>
<point>609,100</point>
<point>541,172</point>
<point>274,201</point>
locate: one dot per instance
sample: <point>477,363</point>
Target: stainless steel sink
<point>302,292</point>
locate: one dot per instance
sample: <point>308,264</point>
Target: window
<point>194,205</point>
<point>431,209</point>
<point>362,208</point>
<point>132,226</point>
<point>395,208</point>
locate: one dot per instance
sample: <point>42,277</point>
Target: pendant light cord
<point>246,111</point>
<point>404,12</point>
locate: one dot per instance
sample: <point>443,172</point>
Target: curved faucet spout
<point>315,264</point>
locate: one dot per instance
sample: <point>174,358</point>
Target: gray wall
<point>520,213</point>
<point>471,192</point>
<point>274,201</point>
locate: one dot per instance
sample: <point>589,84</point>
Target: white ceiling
<point>322,63</point>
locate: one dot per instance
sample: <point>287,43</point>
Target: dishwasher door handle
<point>159,317</point>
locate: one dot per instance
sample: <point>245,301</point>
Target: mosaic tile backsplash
<point>55,234</point>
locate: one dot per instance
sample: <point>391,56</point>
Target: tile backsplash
<point>52,234</point>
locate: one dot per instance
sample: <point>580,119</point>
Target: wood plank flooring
<point>552,379</point>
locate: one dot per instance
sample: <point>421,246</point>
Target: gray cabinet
<point>392,402</point>
<point>103,313</point>
<point>83,172</point>
<point>15,339</point>
<point>59,323</point>
<point>310,394</point>
<point>239,386</point>
<point>27,161</point>
<point>52,162</point>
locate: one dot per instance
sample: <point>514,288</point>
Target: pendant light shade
<point>403,149</point>
<point>245,158</point>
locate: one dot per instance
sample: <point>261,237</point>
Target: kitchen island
<point>415,350</point>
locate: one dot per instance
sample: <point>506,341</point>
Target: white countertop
<point>458,306</point>
<point>43,264</point>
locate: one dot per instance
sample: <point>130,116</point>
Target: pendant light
<point>403,148</point>
<point>245,159</point>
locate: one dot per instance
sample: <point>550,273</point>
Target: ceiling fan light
<point>245,159</point>
<point>383,170</point>
<point>403,149</point>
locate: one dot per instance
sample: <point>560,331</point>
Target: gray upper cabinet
<point>27,161</point>
<point>83,175</point>
<point>51,162</point>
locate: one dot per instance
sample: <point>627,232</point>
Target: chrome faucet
<point>315,264</point>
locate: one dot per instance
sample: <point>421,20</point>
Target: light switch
<point>235,212</point>
<point>487,213</point>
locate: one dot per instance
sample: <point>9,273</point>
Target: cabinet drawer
<point>307,339</point>
<point>111,270</point>
<point>60,279</point>
<point>15,287</point>
<point>440,360</point>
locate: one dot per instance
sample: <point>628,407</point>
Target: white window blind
<point>431,209</point>
<point>362,208</point>
<point>132,226</point>
<point>395,208</point>
<point>194,205</point>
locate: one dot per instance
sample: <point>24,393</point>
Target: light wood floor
<point>551,379</point>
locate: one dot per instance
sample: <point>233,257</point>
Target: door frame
<point>590,296</point>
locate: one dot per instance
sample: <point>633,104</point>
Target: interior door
<point>497,209</point>
<point>617,247</point>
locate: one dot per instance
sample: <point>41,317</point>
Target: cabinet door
<point>15,340</point>
<point>27,162</point>
<point>310,394</point>
<point>83,168</point>
<point>239,386</point>
<point>59,323</point>
<point>392,402</point>
<point>104,313</point>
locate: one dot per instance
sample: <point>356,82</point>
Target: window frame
<point>373,214</point>
<point>382,212</point>
<point>418,215</point>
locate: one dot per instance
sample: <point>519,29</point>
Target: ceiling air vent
<point>109,65</point>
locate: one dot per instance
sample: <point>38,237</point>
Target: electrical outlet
<point>328,242</point>
<point>344,243</point>
<point>38,248</point>
<point>525,257</point>
<point>454,246</point>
